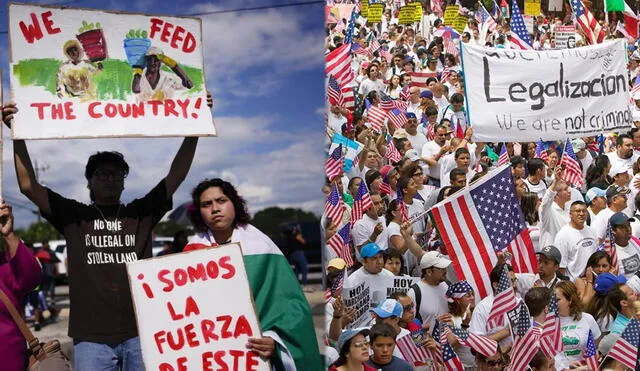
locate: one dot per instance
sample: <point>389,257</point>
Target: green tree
<point>38,232</point>
<point>270,219</point>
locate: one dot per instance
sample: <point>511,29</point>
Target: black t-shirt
<point>396,364</point>
<point>98,247</point>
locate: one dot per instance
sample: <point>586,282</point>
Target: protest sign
<point>406,14</point>
<point>359,297</point>
<point>565,37</point>
<point>195,311</point>
<point>417,9</point>
<point>528,22</point>
<point>375,13</point>
<point>364,8</point>
<point>532,7</point>
<point>555,5</point>
<point>524,95</point>
<point>453,18</point>
<point>78,73</point>
<point>398,284</point>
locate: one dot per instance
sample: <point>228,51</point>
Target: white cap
<point>634,283</point>
<point>434,259</point>
<point>619,167</point>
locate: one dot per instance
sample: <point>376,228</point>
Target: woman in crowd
<point>20,273</point>
<point>353,349</point>
<point>220,217</point>
<point>605,304</point>
<point>598,173</point>
<point>575,325</point>
<point>599,262</point>
<point>394,88</point>
<point>461,303</point>
<point>394,263</point>
<point>529,205</point>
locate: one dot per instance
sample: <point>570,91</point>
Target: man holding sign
<point>101,239</point>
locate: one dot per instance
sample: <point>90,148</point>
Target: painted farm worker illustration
<point>76,75</point>
<point>155,84</point>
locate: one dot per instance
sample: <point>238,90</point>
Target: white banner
<point>522,95</point>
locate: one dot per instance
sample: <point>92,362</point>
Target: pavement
<point>58,330</point>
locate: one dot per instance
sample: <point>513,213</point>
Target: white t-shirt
<point>552,218</point>
<point>576,246</point>
<point>430,149</point>
<point>368,86</point>
<point>574,337</point>
<point>432,303</point>
<point>377,286</point>
<point>362,230</point>
<point>601,221</point>
<point>538,189</point>
<point>614,159</point>
<point>417,141</point>
<point>628,258</point>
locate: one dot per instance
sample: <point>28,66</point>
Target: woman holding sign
<point>220,216</point>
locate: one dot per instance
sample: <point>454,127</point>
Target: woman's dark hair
<point>388,216</point>
<point>239,204</point>
<point>539,359</point>
<point>606,306</point>
<point>391,253</point>
<point>596,257</point>
<point>596,173</point>
<point>528,205</point>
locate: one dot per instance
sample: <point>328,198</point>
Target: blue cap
<point>605,282</point>
<point>594,192</point>
<point>370,250</point>
<point>348,335</point>
<point>410,115</point>
<point>619,219</point>
<point>426,94</point>
<point>388,308</point>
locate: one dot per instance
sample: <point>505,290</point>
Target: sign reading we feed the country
<point>406,15</point>
<point>523,95</point>
<point>364,8</point>
<point>78,73</point>
<point>375,13</point>
<point>453,18</point>
<point>532,7</point>
<point>417,11</point>
<point>195,311</point>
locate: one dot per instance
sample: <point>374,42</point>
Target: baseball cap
<point>594,192</point>
<point>615,190</point>
<point>619,167</point>
<point>410,115</point>
<point>605,282</point>
<point>421,51</point>
<point>348,335</point>
<point>619,219</point>
<point>634,283</point>
<point>434,259</point>
<point>370,250</point>
<point>551,252</point>
<point>412,154</point>
<point>337,263</point>
<point>388,308</point>
<point>426,94</point>
<point>578,144</point>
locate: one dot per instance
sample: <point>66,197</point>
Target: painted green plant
<point>136,34</point>
<point>88,27</point>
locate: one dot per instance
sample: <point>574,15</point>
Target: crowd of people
<point>400,103</point>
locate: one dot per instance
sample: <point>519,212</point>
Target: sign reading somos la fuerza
<point>195,312</point>
<point>518,95</point>
<point>79,73</point>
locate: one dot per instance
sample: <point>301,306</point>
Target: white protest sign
<point>78,73</point>
<point>523,95</point>
<point>195,311</point>
<point>565,37</point>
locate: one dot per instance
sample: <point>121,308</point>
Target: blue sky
<point>264,68</point>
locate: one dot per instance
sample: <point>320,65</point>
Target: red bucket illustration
<point>94,44</point>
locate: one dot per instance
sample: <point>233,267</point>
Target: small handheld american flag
<point>503,301</point>
<point>572,173</point>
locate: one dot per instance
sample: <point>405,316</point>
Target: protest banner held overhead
<point>79,73</point>
<point>195,311</point>
<point>548,95</point>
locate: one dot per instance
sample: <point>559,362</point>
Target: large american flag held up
<point>572,172</point>
<point>551,340</point>
<point>338,64</point>
<point>419,79</point>
<point>361,202</point>
<point>334,208</point>
<point>503,301</point>
<point>480,221</point>
<point>526,342</point>
<point>590,353</point>
<point>339,242</point>
<point>333,167</point>
<point>625,349</point>
<point>519,36</point>
<point>587,22</point>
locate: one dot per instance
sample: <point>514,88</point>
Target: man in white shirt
<point>431,303</point>
<point>371,227</point>
<point>616,202</point>
<point>372,82</point>
<point>535,181</point>
<point>549,258</point>
<point>433,150</point>
<point>416,138</point>
<point>624,152</point>
<point>414,101</point>
<point>552,214</point>
<point>585,158</point>
<point>627,248</point>
<point>455,113</point>
<point>576,242</point>
<point>596,199</point>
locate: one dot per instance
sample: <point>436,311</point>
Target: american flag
<point>446,74</point>
<point>572,173</point>
<point>485,17</point>
<point>397,117</point>
<point>590,353</point>
<point>348,36</point>
<point>338,64</point>
<point>587,22</point>
<point>451,47</point>
<point>339,242</point>
<point>401,205</point>
<point>485,218</point>
<point>430,134</point>
<point>404,93</point>
<point>388,103</point>
<point>334,208</point>
<point>336,286</point>
<point>385,188</point>
<point>478,343</point>
<point>525,345</point>
<point>504,156</point>
<point>450,359</point>
<point>625,350</point>
<point>357,49</point>
<point>416,355</point>
<point>334,92</point>
<point>375,116</point>
<point>339,26</point>
<point>384,53</point>
<point>519,36</point>
<point>333,167</point>
<point>361,203</point>
<point>609,247</point>
<point>374,45</point>
<point>541,151</point>
<point>349,98</point>
<point>419,79</point>
<point>392,152</point>
<point>503,301</point>
<point>551,341</point>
